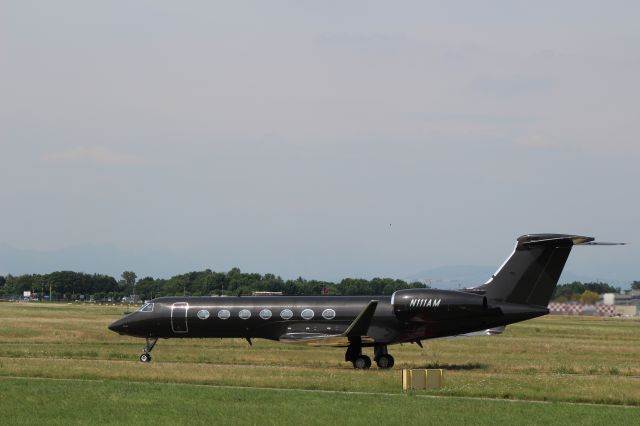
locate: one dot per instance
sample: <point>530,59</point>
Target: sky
<point>320,139</point>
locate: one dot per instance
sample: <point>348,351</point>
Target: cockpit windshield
<point>147,308</point>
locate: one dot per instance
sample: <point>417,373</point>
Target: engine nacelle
<point>419,304</point>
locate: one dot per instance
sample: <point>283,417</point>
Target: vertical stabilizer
<point>530,275</point>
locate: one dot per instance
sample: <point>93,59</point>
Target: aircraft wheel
<point>362,362</point>
<point>145,358</point>
<point>385,361</point>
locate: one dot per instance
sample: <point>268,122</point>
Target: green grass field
<point>60,364</point>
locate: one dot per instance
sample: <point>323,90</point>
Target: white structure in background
<point>626,305</point>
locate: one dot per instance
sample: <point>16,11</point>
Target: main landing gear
<point>362,362</point>
<point>382,357</point>
<point>146,354</point>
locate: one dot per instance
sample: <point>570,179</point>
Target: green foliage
<point>64,285</point>
<point>128,278</point>
<point>68,285</point>
<point>635,285</point>
<point>573,291</point>
<point>589,297</point>
<point>204,283</point>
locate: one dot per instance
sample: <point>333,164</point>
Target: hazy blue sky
<point>322,139</point>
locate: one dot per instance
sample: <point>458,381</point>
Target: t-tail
<point>530,275</point>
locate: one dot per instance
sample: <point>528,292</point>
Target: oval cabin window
<point>265,314</point>
<point>328,314</point>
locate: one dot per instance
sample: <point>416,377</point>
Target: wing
<point>358,328</point>
<point>487,332</point>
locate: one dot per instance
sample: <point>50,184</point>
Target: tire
<point>385,361</point>
<point>361,362</point>
<point>145,358</point>
<point>367,360</point>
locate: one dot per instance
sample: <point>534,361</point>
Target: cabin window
<point>244,314</point>
<point>307,314</point>
<point>224,314</point>
<point>265,314</point>
<point>328,314</point>
<point>203,314</point>
<point>286,314</point>
<point>147,308</point>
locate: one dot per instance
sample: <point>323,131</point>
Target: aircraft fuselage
<point>414,315</point>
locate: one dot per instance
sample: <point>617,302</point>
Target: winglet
<point>360,325</point>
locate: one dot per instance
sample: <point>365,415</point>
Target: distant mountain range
<point>110,260</point>
<point>460,276</point>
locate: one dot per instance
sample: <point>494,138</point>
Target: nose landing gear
<point>146,354</point>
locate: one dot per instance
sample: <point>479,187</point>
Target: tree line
<point>585,293</point>
<point>69,285</point>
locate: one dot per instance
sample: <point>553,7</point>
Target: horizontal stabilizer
<point>532,240</point>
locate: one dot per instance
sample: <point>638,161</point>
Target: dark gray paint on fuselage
<point>159,322</point>
<point>388,326</point>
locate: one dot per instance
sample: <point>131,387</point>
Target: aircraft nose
<point>119,326</point>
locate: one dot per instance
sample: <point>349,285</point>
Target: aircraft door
<point>179,317</point>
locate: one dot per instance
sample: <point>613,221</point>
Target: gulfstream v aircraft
<point>518,291</point>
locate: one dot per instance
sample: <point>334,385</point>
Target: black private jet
<point>520,290</point>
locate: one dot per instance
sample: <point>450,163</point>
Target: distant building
<point>630,297</point>
<point>266,293</point>
<point>609,298</point>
